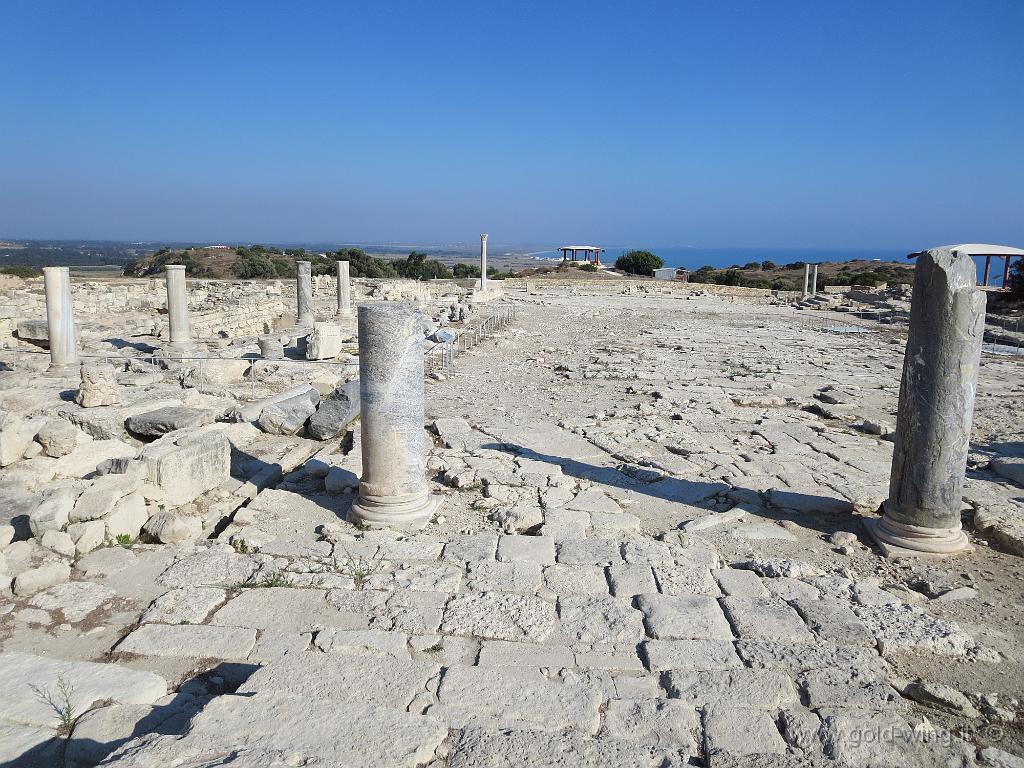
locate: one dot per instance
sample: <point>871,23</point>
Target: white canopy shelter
<point>988,250</point>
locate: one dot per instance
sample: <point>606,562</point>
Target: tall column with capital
<point>483,262</point>
<point>60,319</point>
<point>933,424</point>
<point>807,280</point>
<point>344,290</point>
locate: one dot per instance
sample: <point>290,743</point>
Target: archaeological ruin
<point>559,522</point>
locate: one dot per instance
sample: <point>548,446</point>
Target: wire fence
<point>442,357</point>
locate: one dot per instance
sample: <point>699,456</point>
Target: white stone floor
<point>650,554</point>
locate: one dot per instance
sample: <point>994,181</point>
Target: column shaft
<point>393,491</point>
<point>483,262</point>
<point>304,294</point>
<point>933,426</point>
<point>814,286</point>
<point>807,279</point>
<point>344,289</point>
<point>177,307</point>
<point>60,318</point>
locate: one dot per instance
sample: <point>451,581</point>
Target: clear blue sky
<point>846,124</point>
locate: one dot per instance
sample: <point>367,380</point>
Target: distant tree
<point>752,265</point>
<point>26,273</point>
<point>254,266</point>
<point>362,264</point>
<point>283,268</point>
<point>463,270</point>
<point>730,276</point>
<point>418,267</point>
<point>768,266</point>
<point>639,263</point>
<point>796,265</point>
<point>1016,281</point>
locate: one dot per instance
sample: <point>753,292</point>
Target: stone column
<point>807,279</point>
<point>60,319</point>
<point>483,262</point>
<point>393,490</point>
<point>344,290</point>
<point>814,287</point>
<point>933,425</point>
<point>304,294</point>
<point>177,308</point>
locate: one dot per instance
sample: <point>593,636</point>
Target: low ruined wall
<point>639,286</point>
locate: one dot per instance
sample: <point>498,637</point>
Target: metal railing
<point>441,358</point>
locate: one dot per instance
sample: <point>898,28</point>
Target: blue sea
<point>695,258</point>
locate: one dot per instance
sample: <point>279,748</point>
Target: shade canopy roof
<point>580,248</point>
<point>983,249</point>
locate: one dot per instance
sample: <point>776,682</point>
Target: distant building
<point>665,273</point>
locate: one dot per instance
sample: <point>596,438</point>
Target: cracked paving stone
<point>756,618</point>
<point>576,580</point>
<point>692,617</point>
<point>662,655</point>
<point>486,576</point>
<point>599,619</point>
<point>189,641</point>
<point>748,688</point>
<point>499,616</point>
<point>589,552</point>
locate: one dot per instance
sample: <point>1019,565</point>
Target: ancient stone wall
<point>625,286</point>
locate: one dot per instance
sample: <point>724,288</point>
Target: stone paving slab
<point>748,688</point>
<point>283,609</point>
<point>662,655</point>
<point>28,682</point>
<point>756,618</point>
<point>516,697</point>
<point>284,730</point>
<point>490,748</point>
<point>375,681</point>
<point>692,617</point>
<point>498,616</point>
<point>189,641</point>
<point>587,619</point>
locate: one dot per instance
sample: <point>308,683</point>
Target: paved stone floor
<point>650,554</point>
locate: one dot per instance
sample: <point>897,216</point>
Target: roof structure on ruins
<point>982,249</point>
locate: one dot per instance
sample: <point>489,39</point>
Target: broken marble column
<point>807,279</point>
<point>483,262</point>
<point>814,285</point>
<point>304,293</point>
<point>344,290</point>
<point>98,386</point>
<point>393,491</point>
<point>60,319</point>
<point>271,347</point>
<point>933,425</point>
<point>177,308</point>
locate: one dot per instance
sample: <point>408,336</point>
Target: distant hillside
<point>790,277</point>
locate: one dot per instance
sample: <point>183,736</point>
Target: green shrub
<point>462,270</point>
<point>253,266</point>
<point>639,263</point>
<point>1016,282</point>
<point>26,273</point>
<point>588,267</point>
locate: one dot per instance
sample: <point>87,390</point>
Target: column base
<point>410,512</point>
<point>901,540</point>
<point>66,369</point>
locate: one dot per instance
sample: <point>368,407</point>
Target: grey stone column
<point>807,279</point>
<point>393,490</point>
<point>933,425</point>
<point>304,294</point>
<point>814,285</point>
<point>344,290</point>
<point>483,262</point>
<point>60,319</point>
<point>177,308</point>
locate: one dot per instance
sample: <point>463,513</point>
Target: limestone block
<point>57,437</point>
<point>662,655</point>
<point>74,599</point>
<point>731,732</point>
<point>88,535</point>
<point>652,721</point>
<point>183,468</point>
<point>758,618</point>
<point>163,420</point>
<point>53,511</point>
<point>59,542</point>
<point>34,331</point>
<point>591,619</point>
<point>476,747</point>
<point>37,579</point>
<point>287,417</point>
<point>98,386</point>
<point>99,499</point>
<point>335,412</point>
<point>16,435</point>
<point>127,517</point>
<point>325,341</point>
<point>170,528</point>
